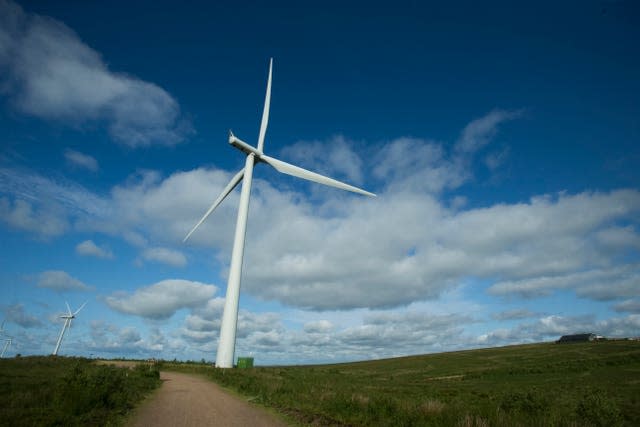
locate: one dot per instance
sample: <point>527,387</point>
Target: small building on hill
<point>577,338</point>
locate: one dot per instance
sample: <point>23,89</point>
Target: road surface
<point>188,401</point>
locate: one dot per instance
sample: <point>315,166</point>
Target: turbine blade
<point>265,111</point>
<point>68,308</point>
<point>296,171</point>
<point>81,307</point>
<point>230,186</point>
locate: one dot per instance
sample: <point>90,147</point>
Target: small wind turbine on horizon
<point>67,324</point>
<point>7,340</point>
<point>226,343</point>
<point>7,343</point>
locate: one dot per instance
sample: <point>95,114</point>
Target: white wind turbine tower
<point>226,344</point>
<point>67,324</point>
<point>7,343</point>
<point>7,340</point>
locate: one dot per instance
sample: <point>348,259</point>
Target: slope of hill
<point>546,384</point>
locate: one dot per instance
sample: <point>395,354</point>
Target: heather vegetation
<point>582,384</point>
<point>64,391</point>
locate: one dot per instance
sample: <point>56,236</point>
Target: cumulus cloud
<point>417,165</point>
<point>256,332</point>
<point>399,248</point>
<point>479,132</point>
<point>552,327</point>
<point>318,326</point>
<point>52,74</point>
<point>630,306</point>
<point>44,206</point>
<point>17,314</point>
<point>77,159</point>
<point>161,300</point>
<point>60,281</point>
<point>165,256</point>
<point>513,314</point>
<point>342,251</point>
<point>107,338</point>
<point>599,284</point>
<point>335,158</point>
<point>89,248</point>
<point>405,247</point>
<point>20,214</point>
<point>376,334</point>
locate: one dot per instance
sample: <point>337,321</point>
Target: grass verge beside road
<point>66,391</point>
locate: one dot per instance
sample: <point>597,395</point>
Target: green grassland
<point>581,384</point>
<point>65,391</point>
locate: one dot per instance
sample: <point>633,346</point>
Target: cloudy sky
<point>502,141</point>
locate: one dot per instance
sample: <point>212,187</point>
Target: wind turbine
<point>226,344</point>
<point>67,324</point>
<point>7,343</point>
<point>7,340</point>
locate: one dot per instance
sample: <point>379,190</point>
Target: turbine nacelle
<point>243,146</point>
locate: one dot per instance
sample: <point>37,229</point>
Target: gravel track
<point>189,400</point>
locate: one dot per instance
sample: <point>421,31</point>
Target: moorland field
<point>549,384</point>
<point>70,391</point>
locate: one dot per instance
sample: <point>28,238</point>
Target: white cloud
<point>20,215</point>
<point>89,248</point>
<point>52,74</point>
<point>17,314</point>
<point>343,251</point>
<point>496,159</point>
<point>513,314</point>
<point>402,248</point>
<point>165,256</point>
<point>416,165</point>
<point>631,306</point>
<point>161,300</point>
<point>335,158</point>
<point>319,326</point>
<point>479,132</point>
<point>377,334</point>
<point>78,159</point>
<point>599,284</point>
<point>45,207</point>
<point>552,327</point>
<point>399,248</point>
<point>107,338</point>
<point>60,281</point>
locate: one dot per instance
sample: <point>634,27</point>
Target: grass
<point>582,384</point>
<point>63,391</point>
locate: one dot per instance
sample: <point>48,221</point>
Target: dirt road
<point>187,400</point>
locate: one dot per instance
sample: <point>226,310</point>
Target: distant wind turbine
<point>67,324</point>
<point>7,340</point>
<point>226,344</point>
<point>7,343</point>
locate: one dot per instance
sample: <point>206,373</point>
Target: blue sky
<point>502,141</point>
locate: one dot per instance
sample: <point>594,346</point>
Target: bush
<point>599,410</point>
<point>61,391</point>
<point>531,402</point>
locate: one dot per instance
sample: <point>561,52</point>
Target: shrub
<point>599,410</point>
